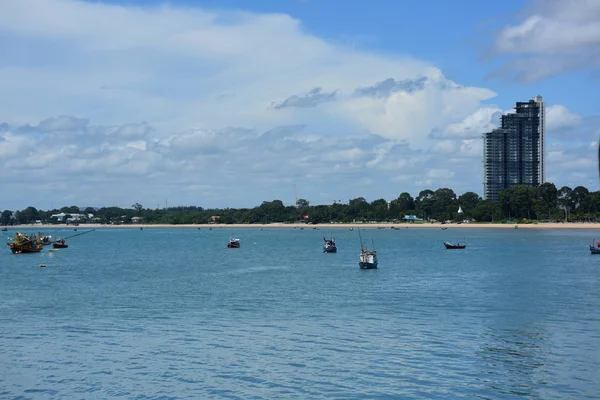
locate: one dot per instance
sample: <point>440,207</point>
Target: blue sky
<point>229,103</point>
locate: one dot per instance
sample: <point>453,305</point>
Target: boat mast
<point>360,238</point>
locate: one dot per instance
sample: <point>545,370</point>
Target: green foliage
<point>519,203</point>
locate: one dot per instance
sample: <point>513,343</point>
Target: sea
<point>171,313</point>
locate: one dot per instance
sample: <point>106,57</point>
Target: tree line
<point>517,204</point>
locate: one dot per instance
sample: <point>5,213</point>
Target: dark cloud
<point>311,99</point>
<point>385,88</point>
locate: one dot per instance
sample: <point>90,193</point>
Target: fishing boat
<point>25,244</point>
<point>233,243</point>
<point>368,258</point>
<point>449,245</point>
<point>60,244</point>
<point>595,247</point>
<point>46,240</point>
<point>329,246</point>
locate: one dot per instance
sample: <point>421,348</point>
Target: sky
<point>231,103</point>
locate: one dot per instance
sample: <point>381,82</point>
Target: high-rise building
<point>514,153</point>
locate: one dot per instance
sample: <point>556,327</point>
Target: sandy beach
<point>553,225</point>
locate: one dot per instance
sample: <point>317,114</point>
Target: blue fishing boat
<point>329,246</point>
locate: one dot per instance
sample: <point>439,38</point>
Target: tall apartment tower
<point>514,153</point>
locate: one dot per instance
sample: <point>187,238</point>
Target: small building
<point>411,218</point>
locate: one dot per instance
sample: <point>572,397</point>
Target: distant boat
<point>368,258</point>
<point>233,243</point>
<point>45,239</point>
<point>60,244</point>
<point>4,229</point>
<point>595,249</point>
<point>329,246</point>
<point>454,246</point>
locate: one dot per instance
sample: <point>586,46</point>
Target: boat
<point>46,240</point>
<point>4,229</point>
<point>60,244</point>
<point>233,243</point>
<point>368,258</point>
<point>329,246</point>
<point>454,246</point>
<point>595,249</point>
<point>22,243</point>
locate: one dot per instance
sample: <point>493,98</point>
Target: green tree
<point>380,209</point>
<point>137,207</point>
<point>6,217</point>
<point>486,211</point>
<point>468,201</point>
<point>424,203</point>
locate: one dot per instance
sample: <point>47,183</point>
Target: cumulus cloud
<point>554,37</point>
<point>222,108</point>
<point>558,117</point>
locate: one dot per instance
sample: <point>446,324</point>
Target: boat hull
<point>365,265</point>
<point>329,249</point>
<point>594,250</point>
<point>451,246</point>
<point>60,246</point>
<point>18,249</point>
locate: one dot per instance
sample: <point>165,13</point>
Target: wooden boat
<point>25,244</point>
<point>454,246</point>
<point>368,258</point>
<point>329,246</point>
<point>233,243</point>
<point>60,244</point>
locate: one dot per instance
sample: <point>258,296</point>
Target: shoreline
<point>550,225</point>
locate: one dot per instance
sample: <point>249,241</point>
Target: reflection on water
<point>512,359</point>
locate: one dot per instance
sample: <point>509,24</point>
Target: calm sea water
<point>172,313</point>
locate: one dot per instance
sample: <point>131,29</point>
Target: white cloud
<point>220,108</point>
<point>474,125</point>
<point>559,117</point>
<point>556,36</point>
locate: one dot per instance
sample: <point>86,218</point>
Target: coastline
<point>550,225</point>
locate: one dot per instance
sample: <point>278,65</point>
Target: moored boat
<point>25,244</point>
<point>454,246</point>
<point>595,247</point>
<point>368,258</point>
<point>46,240</point>
<point>329,246</point>
<point>233,243</point>
<point>60,244</point>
